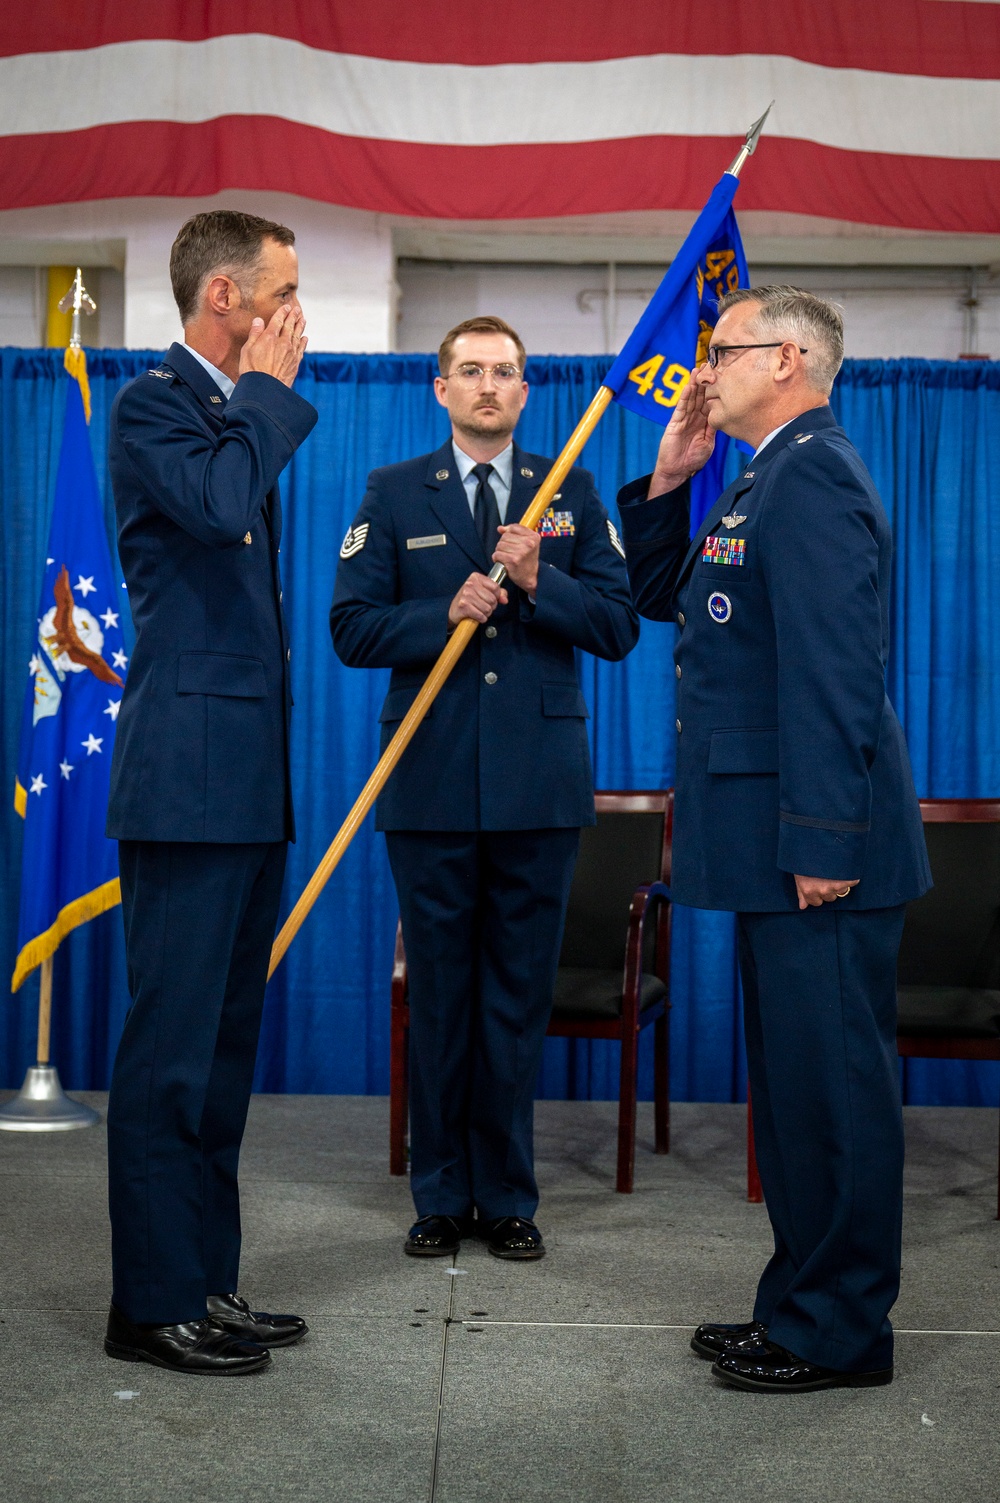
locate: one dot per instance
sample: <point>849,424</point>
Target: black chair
<point>614,968</point>
<point>949,960</point>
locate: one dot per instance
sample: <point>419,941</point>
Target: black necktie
<point>485,511</point>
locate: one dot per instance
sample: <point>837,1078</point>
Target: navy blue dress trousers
<point>483,812</point>
<point>201,806</point>
<point>790,760</point>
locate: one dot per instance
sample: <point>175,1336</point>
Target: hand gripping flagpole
<point>457,643</point>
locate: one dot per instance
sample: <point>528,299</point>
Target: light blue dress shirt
<point>221,380</point>
<point>500,480</point>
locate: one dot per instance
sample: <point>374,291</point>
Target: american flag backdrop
<point>887,111</point>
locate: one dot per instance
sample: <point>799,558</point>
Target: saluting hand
<point>476,600</point>
<point>276,350</point>
<point>687,442</point>
<point>518,551</point>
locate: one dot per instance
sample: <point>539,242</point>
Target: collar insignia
<point>528,474</point>
<point>441,475</point>
<point>215,399</point>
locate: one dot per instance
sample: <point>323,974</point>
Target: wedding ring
<point>843,894</point>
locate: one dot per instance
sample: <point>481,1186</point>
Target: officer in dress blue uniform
<point>482,815</point>
<point>200,800</point>
<point>794,807</point>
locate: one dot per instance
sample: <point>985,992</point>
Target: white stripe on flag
<point>450,104</point>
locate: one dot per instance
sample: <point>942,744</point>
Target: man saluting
<point>200,800</point>
<point>795,807</point>
<point>483,814</point>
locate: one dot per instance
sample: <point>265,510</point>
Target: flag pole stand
<point>41,1105</point>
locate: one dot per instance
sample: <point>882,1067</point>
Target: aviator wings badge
<point>733,520</point>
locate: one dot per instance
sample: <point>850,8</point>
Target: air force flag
<point>672,336</point>
<point>69,870</point>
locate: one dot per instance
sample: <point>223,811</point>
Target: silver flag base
<point>41,1105</point>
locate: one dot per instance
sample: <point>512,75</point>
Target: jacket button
<point>678,725</point>
<point>491,678</point>
<point>677,670</point>
<point>681,619</point>
<point>491,632</point>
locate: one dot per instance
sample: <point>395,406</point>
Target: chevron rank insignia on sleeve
<point>616,541</point>
<point>355,540</point>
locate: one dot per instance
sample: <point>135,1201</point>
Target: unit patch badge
<point>355,540</point>
<point>720,607</point>
<point>616,541</point>
<point>724,550</point>
<point>557,524</point>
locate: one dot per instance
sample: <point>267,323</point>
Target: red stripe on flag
<point>949,40</point>
<point>163,159</point>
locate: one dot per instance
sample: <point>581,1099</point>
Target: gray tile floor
<point>463,1380</point>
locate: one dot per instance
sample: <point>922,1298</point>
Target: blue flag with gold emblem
<point>672,336</point>
<point>69,869</point>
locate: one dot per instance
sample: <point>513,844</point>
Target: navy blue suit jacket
<point>201,745</point>
<point>790,758</point>
<point>508,752</point>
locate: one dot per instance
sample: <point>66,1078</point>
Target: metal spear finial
<point>750,144</point>
<point>79,300</point>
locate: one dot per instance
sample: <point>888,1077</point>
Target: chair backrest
<point>952,935</point>
<point>629,846</point>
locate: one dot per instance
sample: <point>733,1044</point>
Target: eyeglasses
<point>716,351</point>
<point>471,376</point>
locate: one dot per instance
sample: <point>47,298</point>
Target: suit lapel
<point>725,504</point>
<point>197,378</point>
<point>526,476</point>
<point>450,504</point>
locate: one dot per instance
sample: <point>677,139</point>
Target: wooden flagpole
<point>457,643</point>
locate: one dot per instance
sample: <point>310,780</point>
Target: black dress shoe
<point>230,1313</point>
<point>438,1236</point>
<point>768,1368</point>
<point>514,1237</point>
<point>711,1341</point>
<point>196,1346</point>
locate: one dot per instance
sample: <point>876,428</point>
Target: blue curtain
<point>923,427</point>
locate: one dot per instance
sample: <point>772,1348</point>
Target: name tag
<point>435,540</point>
<point>724,550</point>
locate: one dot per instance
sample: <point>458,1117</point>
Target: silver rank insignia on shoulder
<point>803,438</point>
<point>248,539</point>
<point>616,541</point>
<point>355,540</point>
<point>442,475</point>
<point>733,520</point>
<point>215,399</point>
<point>162,375</point>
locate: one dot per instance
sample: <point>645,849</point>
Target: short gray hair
<point>816,325</point>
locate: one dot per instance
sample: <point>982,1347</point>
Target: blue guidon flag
<point>69,869</point>
<point>671,337</point>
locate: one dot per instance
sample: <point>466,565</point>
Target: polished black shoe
<point>438,1236</point>
<point>711,1341</point>
<point>514,1237</point>
<point>196,1346</point>
<point>768,1368</point>
<point>230,1313</point>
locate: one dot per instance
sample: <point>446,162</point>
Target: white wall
<point>888,310</point>
<point>345,260</point>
